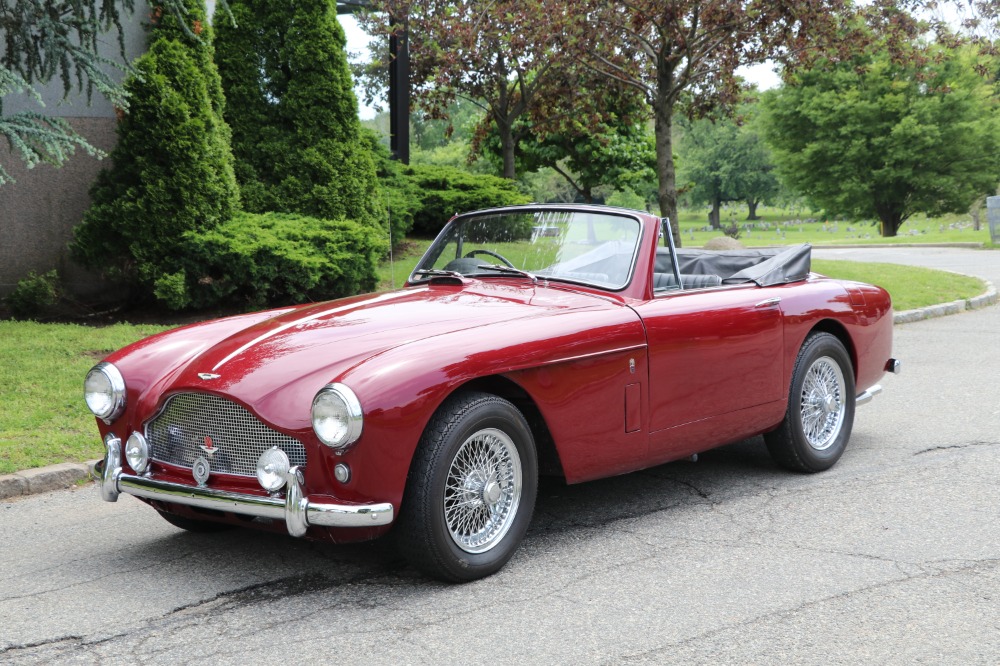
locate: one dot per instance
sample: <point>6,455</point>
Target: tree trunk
<point>890,224</point>
<point>665,172</point>
<point>714,217</point>
<point>507,144</point>
<point>752,205</point>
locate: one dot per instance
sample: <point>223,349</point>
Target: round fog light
<point>137,452</point>
<point>272,466</point>
<point>342,473</point>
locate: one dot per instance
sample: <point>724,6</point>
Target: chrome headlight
<point>137,452</point>
<point>104,391</point>
<point>336,416</point>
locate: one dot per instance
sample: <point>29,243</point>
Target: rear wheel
<point>471,489</point>
<point>820,414</point>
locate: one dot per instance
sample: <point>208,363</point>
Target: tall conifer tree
<point>296,133</point>
<point>172,168</point>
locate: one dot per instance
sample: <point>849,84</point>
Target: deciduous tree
<point>726,161</point>
<point>881,138</point>
<point>600,141</point>
<point>500,55</point>
<point>683,54</point>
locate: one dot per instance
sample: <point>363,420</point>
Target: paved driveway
<point>893,556</point>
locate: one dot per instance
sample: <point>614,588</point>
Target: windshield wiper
<point>500,268</point>
<point>437,272</point>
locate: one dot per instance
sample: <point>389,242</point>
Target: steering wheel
<point>473,253</point>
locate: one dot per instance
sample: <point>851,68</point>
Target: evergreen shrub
<point>444,191</point>
<point>290,101</point>
<point>402,198</point>
<point>33,294</point>
<point>272,259</point>
<point>172,168</point>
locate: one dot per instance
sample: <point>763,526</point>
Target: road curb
<point>44,479</point>
<point>987,298</point>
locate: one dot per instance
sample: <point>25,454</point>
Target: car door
<point>715,357</point>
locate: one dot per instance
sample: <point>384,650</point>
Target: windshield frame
<point>610,211</point>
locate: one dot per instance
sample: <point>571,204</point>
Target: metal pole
<point>399,94</point>
<point>993,216</point>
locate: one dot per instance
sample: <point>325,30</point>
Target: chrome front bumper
<point>298,512</point>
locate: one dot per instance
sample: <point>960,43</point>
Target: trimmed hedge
<point>444,191</point>
<point>273,259</point>
<point>402,197</point>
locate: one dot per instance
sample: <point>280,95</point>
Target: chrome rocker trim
<point>298,512</point>
<point>867,396</point>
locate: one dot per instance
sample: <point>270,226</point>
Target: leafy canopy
<point>879,138</point>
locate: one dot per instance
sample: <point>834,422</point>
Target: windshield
<point>577,246</point>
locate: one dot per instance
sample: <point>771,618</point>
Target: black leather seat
<point>663,281</point>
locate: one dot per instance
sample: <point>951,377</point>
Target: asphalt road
<point>893,556</point>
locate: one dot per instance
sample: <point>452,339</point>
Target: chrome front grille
<point>190,423</point>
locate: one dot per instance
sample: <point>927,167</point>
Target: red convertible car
<point>566,340</point>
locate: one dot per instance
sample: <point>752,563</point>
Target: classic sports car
<point>566,340</point>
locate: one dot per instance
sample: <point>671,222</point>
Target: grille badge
<point>200,470</point>
<point>209,447</point>
<point>208,375</point>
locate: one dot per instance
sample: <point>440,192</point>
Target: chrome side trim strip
<point>866,397</point>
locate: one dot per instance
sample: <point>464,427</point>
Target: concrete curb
<point>987,298</point>
<point>44,479</point>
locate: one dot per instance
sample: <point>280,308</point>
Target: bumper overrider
<point>298,512</point>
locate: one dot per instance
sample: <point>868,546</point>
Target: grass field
<point>910,286</point>
<point>780,226</point>
<point>43,419</point>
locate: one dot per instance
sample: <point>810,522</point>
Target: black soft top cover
<point>765,267</point>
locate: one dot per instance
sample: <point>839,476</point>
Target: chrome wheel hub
<point>823,403</point>
<point>483,490</point>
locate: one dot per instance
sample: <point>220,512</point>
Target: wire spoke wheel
<point>822,403</point>
<point>820,412</point>
<point>483,490</point>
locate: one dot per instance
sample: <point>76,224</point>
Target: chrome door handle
<point>769,302</point>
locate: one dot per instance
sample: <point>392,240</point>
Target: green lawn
<point>911,287</point>
<point>780,226</point>
<point>43,418</point>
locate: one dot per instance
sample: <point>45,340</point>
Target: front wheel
<point>820,414</point>
<point>471,489</point>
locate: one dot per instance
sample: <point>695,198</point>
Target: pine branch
<point>37,139</point>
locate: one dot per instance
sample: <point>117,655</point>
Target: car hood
<point>315,344</point>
